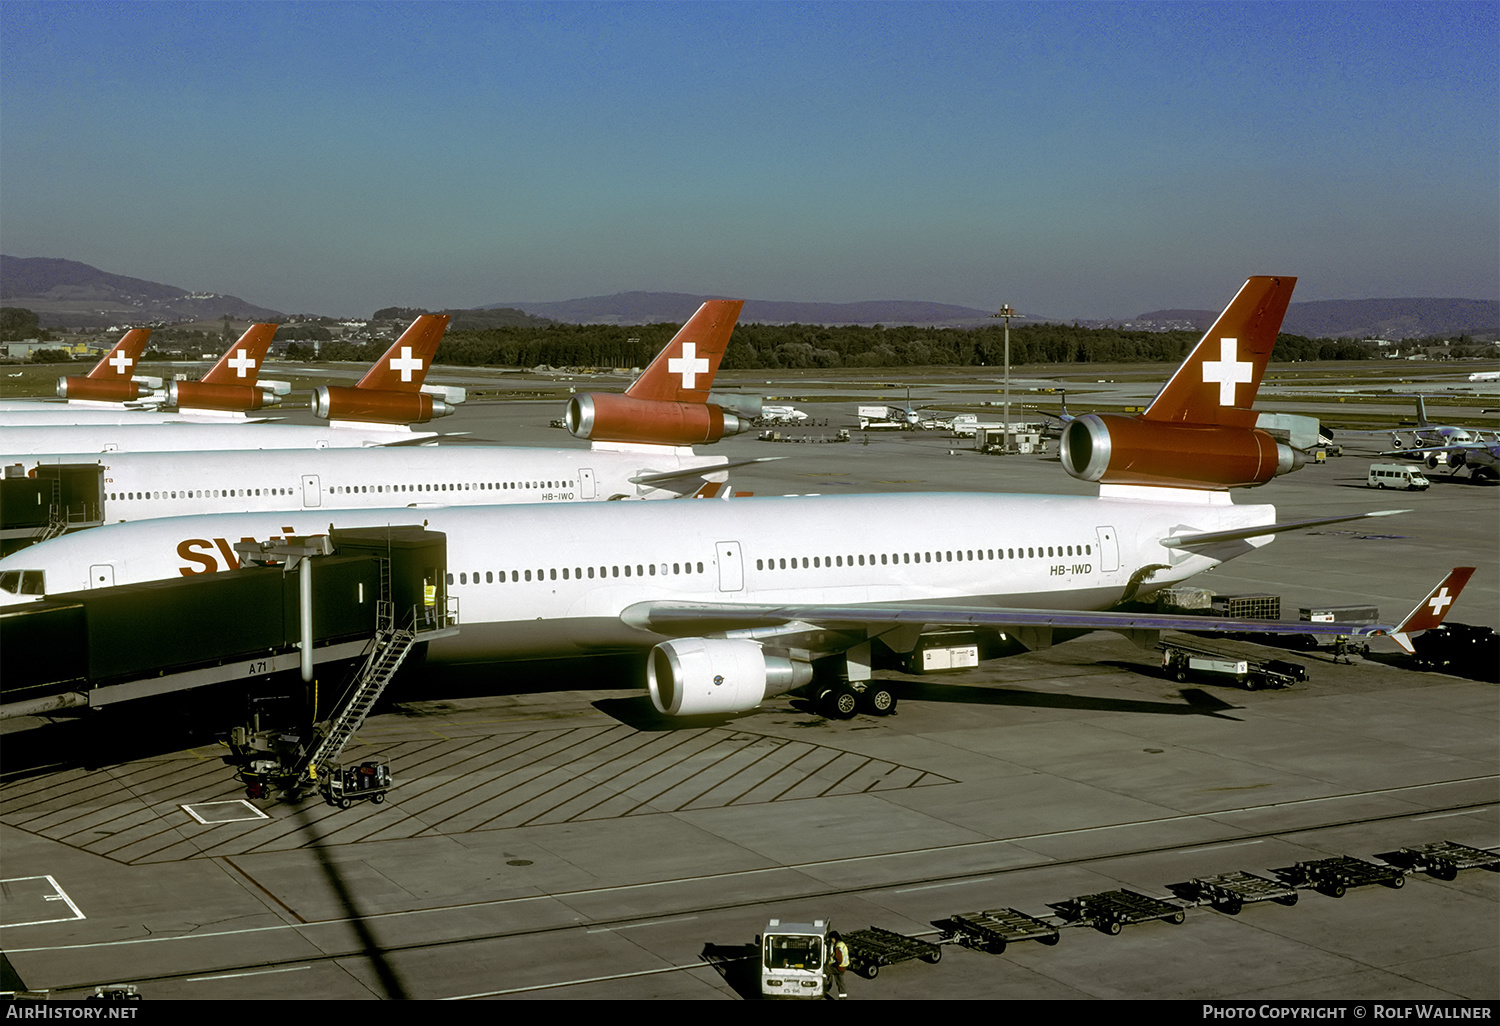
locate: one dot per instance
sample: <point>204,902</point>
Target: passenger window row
<point>945,556</point>
<point>230,493</point>
<point>578,573</point>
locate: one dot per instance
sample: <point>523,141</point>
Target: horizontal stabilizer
<point>1187,541</point>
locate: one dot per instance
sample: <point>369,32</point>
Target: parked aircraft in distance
<point>1458,448</point>
<point>231,388</point>
<point>782,414</point>
<point>151,485</point>
<point>391,393</point>
<point>743,600</point>
<point>228,390</point>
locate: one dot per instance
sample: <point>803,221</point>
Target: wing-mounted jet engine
<point>1200,430</point>
<point>391,392</point>
<point>669,404</point>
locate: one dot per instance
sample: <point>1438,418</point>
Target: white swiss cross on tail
<point>1227,371</point>
<point>689,365</point>
<point>121,363</point>
<point>405,363</point>
<point>241,363</point>
<point>1440,601</point>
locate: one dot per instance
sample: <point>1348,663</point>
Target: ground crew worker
<point>838,962</point>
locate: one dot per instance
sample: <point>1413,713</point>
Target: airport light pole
<point>1007,313</point>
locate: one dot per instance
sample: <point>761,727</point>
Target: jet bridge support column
<point>293,554</point>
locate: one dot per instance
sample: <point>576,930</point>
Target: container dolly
<point>1231,892</point>
<point>1442,859</point>
<point>369,781</point>
<point>992,930</point>
<point>1334,876</point>
<point>870,949</point>
<point>1108,911</point>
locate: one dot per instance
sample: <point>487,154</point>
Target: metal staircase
<point>388,651</point>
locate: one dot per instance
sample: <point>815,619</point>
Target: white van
<point>1396,475</point>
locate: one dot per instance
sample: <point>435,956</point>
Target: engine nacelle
<point>195,395</point>
<point>1127,450</point>
<point>103,390</point>
<point>376,406</point>
<point>605,417</point>
<point>699,676</point>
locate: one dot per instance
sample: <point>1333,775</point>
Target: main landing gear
<point>846,698</point>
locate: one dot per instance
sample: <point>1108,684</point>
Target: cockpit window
<point>23,582</point>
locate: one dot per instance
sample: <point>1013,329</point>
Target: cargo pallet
<point>1333,876</point>
<point>1442,859</point>
<point>991,931</point>
<point>1231,892</point>
<point>870,949</point>
<point>1108,911</point>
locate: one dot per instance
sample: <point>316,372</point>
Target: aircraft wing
<point>662,476</point>
<point>687,619</point>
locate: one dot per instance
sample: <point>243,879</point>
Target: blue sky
<point>1073,160</point>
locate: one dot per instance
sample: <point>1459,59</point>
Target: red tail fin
<point>119,363</point>
<point>1430,612</point>
<point>240,364</point>
<point>404,366</point>
<point>684,371</point>
<point>1218,381</point>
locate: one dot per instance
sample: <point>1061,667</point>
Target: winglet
<point>1430,612</point>
<point>684,371</point>
<point>1217,383</point>
<point>119,362</point>
<point>404,366</point>
<point>240,364</point>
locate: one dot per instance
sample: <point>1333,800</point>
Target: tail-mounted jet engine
<point>698,676</point>
<point>100,390</point>
<point>231,398</point>
<point>605,417</point>
<point>1127,450</point>
<point>376,406</point>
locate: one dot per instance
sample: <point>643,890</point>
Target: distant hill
<point>1393,319</point>
<point>68,294</point>
<point>675,307</point>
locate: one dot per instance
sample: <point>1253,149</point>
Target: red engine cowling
<point>103,390</point>
<point>195,395</point>
<point>1127,450</point>
<point>618,418</point>
<point>699,676</point>
<point>376,406</point>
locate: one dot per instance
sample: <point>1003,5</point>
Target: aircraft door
<point>731,568</point>
<point>585,483</point>
<point>1109,549</point>
<point>312,491</point>
<point>102,575</point>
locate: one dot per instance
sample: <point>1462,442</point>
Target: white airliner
<point>742,600</point>
<point>632,456</point>
<point>377,411</point>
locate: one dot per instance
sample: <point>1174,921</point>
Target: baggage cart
<point>992,930</point>
<point>1231,892</point>
<point>870,949</point>
<point>367,782</point>
<point>1108,911</point>
<point>1442,859</point>
<point>1336,875</point>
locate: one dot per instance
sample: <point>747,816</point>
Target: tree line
<point>801,346</point>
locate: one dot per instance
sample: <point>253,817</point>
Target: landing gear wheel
<point>879,700</point>
<point>1111,927</point>
<point>870,971</point>
<point>377,799</point>
<point>346,803</point>
<point>934,958</point>
<point>839,704</point>
<point>1178,918</point>
<point>1397,881</point>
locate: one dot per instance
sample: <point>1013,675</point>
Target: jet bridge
<point>292,606</point>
